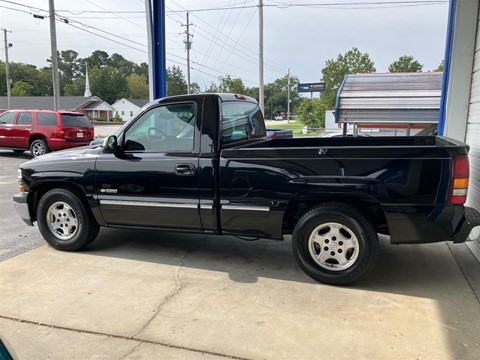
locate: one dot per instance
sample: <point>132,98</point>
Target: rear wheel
<point>335,244</point>
<point>39,147</point>
<point>64,221</point>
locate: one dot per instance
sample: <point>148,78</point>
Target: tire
<point>39,147</point>
<point>335,244</point>
<point>64,221</point>
<point>18,151</point>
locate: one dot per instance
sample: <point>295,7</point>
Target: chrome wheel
<point>38,148</point>
<point>333,246</point>
<point>62,220</point>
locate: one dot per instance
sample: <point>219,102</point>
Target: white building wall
<point>472,138</point>
<point>125,109</point>
<point>463,98</point>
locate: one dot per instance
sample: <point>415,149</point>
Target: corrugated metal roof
<point>72,103</point>
<point>390,98</point>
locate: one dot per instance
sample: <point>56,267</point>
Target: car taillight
<point>460,174</point>
<point>60,133</point>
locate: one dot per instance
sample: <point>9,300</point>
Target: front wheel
<point>335,244</point>
<point>64,221</point>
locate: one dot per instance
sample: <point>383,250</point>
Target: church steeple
<point>87,84</point>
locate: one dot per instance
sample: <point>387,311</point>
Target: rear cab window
<point>76,120</point>
<point>241,121</point>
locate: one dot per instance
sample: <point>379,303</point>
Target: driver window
<point>163,128</point>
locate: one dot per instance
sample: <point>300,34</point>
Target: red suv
<point>42,131</point>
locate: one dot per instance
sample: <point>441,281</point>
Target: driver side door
<point>155,184</point>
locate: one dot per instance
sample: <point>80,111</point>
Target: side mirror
<point>111,145</point>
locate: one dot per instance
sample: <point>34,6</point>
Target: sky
<point>300,35</point>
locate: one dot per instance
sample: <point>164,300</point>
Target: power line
<point>106,38</point>
<point>382,4</point>
<point>116,14</point>
<point>279,68</point>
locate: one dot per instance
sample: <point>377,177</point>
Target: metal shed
<point>389,100</point>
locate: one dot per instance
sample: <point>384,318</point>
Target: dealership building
<point>460,104</point>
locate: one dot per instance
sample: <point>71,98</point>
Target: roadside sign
<point>311,87</point>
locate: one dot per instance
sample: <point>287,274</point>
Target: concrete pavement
<point>145,295</point>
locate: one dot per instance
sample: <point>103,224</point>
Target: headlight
<point>21,188</point>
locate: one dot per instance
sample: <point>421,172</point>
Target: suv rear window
<point>72,120</point>
<point>47,119</point>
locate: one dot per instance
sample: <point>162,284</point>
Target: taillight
<point>60,133</point>
<point>460,174</point>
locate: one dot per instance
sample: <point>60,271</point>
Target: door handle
<point>185,169</point>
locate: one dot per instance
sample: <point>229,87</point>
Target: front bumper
<point>471,220</point>
<point>21,206</point>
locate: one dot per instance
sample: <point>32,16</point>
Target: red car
<point>42,131</point>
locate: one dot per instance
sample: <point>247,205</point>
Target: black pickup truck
<point>203,163</point>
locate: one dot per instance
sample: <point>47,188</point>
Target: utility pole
<point>188,46</point>
<point>261,96</point>
<point>7,69</point>
<point>53,43</point>
<point>288,97</point>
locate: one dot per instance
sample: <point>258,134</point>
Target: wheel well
<point>40,190</point>
<point>371,209</point>
<point>35,137</point>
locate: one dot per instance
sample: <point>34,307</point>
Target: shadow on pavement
<point>13,155</point>
<point>416,270</point>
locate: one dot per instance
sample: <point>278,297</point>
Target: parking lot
<point>137,295</point>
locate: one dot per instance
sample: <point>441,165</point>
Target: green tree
<point>352,62</point>
<point>440,67</point>
<point>27,73</point>
<point>22,88</point>
<point>76,87</point>
<point>195,88</point>
<point>176,84</point>
<point>108,83</point>
<point>227,85</point>
<point>405,63</point>
<point>213,88</point>
<point>99,58</point>
<point>137,86</point>
<point>312,113</point>
<point>276,96</point>
<point>123,65</point>
<point>45,82</point>
<point>231,85</point>
<point>3,80</point>
<point>70,67</point>
<point>141,69</point>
